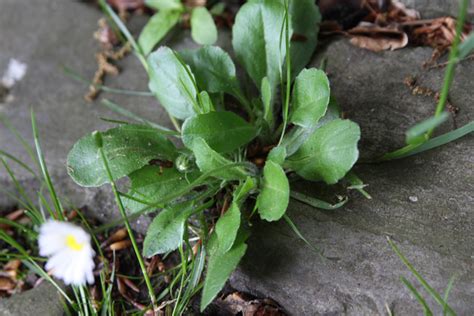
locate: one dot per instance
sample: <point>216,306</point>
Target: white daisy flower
<point>69,250</point>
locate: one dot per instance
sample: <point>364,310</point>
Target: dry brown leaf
<point>118,235</point>
<point>130,284</point>
<point>6,284</point>
<point>239,303</point>
<point>119,245</point>
<point>375,38</point>
<point>105,35</point>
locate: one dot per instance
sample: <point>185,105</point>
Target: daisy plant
<point>238,144</point>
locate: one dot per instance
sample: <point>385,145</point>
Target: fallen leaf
<point>239,303</point>
<point>6,284</point>
<point>105,35</point>
<point>119,245</point>
<point>375,38</point>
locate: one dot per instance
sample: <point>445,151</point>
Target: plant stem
<point>453,55</point>
<point>286,105</point>
<point>99,143</point>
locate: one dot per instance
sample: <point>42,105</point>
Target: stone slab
<point>425,203</point>
<point>361,275</point>
<point>41,301</point>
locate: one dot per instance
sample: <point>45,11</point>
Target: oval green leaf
<point>213,68</point>
<point>275,193</point>
<point>329,153</point>
<point>310,98</point>
<point>256,39</point>
<point>227,227</point>
<point>203,28</point>
<point>166,231</point>
<point>156,29</point>
<point>219,268</point>
<point>172,83</point>
<point>153,184</point>
<point>208,160</point>
<point>222,131</point>
<point>128,148</point>
<point>305,19</point>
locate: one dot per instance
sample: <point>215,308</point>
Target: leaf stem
<point>99,142</point>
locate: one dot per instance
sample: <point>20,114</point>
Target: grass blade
<point>417,134</point>
<point>44,169</point>
<point>71,73</point>
<point>19,162</point>
<point>126,113</point>
<point>418,296</point>
<point>299,234</point>
<point>441,140</point>
<point>446,294</point>
<point>420,279</point>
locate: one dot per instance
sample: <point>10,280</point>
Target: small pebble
<point>413,199</point>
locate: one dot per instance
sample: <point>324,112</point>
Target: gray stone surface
<point>361,275</point>
<point>437,8</point>
<point>40,301</point>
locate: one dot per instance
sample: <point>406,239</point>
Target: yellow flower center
<point>72,243</point>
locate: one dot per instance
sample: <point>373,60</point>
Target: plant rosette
<point>243,155</point>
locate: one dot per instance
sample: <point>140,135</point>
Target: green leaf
<point>310,98</point>
<point>240,194</point>
<point>298,135</point>
<point>329,153</point>
<point>222,131</point>
<point>164,4</point>
<point>152,184</point>
<point>277,155</point>
<point>227,227</point>
<point>267,101</point>
<point>207,160</point>
<point>218,8</point>
<point>256,39</point>
<point>467,46</point>
<point>275,193</point>
<point>156,29</point>
<point>203,28</point>
<point>305,19</point>
<point>128,148</point>
<point>213,68</point>
<point>219,269</point>
<point>166,231</point>
<point>172,83</point>
<point>417,134</point>
<point>206,102</point>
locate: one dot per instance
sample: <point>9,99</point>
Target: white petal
<point>73,266</point>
